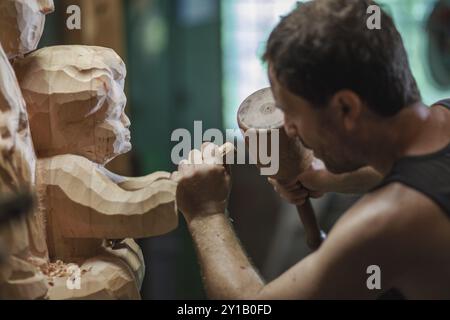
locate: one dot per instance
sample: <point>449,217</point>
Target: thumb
<point>311,177</point>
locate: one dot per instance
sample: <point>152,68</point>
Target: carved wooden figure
<point>19,276</point>
<point>75,102</point>
<point>27,272</point>
<point>118,206</point>
<point>22,24</point>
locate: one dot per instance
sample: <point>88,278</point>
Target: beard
<point>122,144</point>
<point>342,166</point>
<point>338,163</point>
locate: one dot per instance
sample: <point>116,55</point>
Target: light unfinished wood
<point>42,259</point>
<point>113,272</point>
<point>93,206</point>
<point>116,272</point>
<point>19,278</point>
<point>76,95</point>
<point>258,114</point>
<point>21,24</point>
<point>102,24</point>
<point>75,102</point>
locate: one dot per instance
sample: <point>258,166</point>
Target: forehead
<point>285,99</point>
<point>271,74</point>
<point>274,82</point>
<point>79,78</point>
<point>281,95</point>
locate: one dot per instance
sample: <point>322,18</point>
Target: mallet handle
<point>314,236</point>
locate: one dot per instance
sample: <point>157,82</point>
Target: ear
<point>347,107</point>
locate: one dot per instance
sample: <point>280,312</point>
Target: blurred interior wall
<point>175,74</point>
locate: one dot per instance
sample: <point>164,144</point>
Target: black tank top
<point>429,174</point>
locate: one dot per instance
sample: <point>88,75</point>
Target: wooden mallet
<point>259,112</point>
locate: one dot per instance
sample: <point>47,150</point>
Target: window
<point>246,25</point>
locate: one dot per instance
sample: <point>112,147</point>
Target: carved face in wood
<point>75,100</point>
<point>21,24</point>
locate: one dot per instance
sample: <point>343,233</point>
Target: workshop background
<point>193,60</point>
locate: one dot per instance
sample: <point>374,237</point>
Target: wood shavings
<point>58,269</point>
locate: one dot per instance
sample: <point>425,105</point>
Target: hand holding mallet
<point>258,112</point>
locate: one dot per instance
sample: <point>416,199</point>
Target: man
<point>348,93</point>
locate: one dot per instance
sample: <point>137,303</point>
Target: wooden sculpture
<point>63,243</point>
<point>19,276</point>
<point>75,102</point>
<point>22,24</point>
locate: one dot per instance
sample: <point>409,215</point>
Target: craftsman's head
<point>75,100</point>
<point>336,80</point>
<point>21,24</point>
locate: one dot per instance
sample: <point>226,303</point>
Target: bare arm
<point>338,270</point>
<point>227,272</point>
<point>363,237</point>
<point>357,182</point>
<point>317,180</point>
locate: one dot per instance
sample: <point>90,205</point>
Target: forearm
<point>357,182</point>
<point>227,271</point>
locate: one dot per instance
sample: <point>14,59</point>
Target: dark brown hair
<point>325,46</point>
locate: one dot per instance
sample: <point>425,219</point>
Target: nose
<point>125,120</point>
<point>290,129</point>
<point>46,6</point>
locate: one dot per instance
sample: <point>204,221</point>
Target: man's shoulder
<point>394,213</point>
<point>394,227</point>
<point>394,209</point>
<point>400,200</point>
